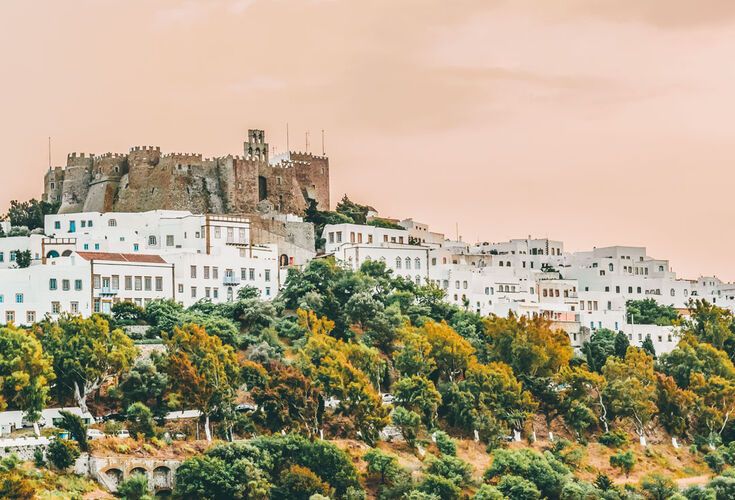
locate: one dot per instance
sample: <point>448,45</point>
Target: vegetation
<point>312,367</point>
<point>30,214</point>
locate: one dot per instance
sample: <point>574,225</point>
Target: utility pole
<point>49,152</point>
<point>323,150</point>
<point>287,147</point>
<point>307,142</point>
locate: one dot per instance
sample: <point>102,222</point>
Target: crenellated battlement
<point>144,178</point>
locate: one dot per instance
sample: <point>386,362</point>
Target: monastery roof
<point>122,257</point>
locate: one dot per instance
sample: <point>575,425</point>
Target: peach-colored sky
<point>594,122</point>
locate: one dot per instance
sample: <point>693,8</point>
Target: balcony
<point>231,280</point>
<point>108,291</point>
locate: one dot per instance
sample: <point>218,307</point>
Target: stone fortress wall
<point>146,179</point>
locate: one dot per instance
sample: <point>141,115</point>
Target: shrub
<point>39,460</point>
<point>134,488</point>
<point>408,422</point>
<point>517,488</point>
<point>446,445</point>
<point>658,487</point>
<point>440,486</point>
<point>487,492</point>
<point>62,453</point>
<point>625,461</point>
<point>300,483</point>
<point>715,461</point>
<point>456,470</point>
<point>140,421</point>
<point>614,439</point>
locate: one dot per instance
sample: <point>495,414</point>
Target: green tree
<point>62,453</point>
<point>621,344</point>
<point>440,487</point>
<point>710,323</point>
<point>145,384</point>
<point>647,346</point>
<point>86,354</point>
<point>25,372</point>
<point>600,346</point>
<point>127,313</point>
<point>631,389</point>
<point>418,394</point>
<point>446,445</point>
<point>456,470</point>
<point>518,488</point>
<point>675,405</point>
<point>211,477</point>
<point>545,472</point>
<point>449,350</point>
<point>22,258</point>
<point>288,401</point>
<point>202,370</point>
<point>487,492</point>
<point>649,312</point>
<point>413,353</point>
<point>408,422</point>
<point>623,460</point>
<point>140,421</point>
<point>382,464</point>
<point>76,427</point>
<point>658,487</point>
<point>529,346</point>
<point>300,483</point>
<point>30,213</point>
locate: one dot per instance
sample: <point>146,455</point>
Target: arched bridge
<point>111,471</point>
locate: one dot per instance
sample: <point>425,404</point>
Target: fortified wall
<point>146,179</point>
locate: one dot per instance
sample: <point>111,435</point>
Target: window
<point>135,247</point>
<point>267,275</point>
<point>89,222</point>
<point>169,240</point>
<point>251,274</point>
<point>151,240</point>
<point>331,237</point>
<point>55,307</point>
<point>268,291</point>
<point>408,262</point>
<point>207,292</point>
<point>84,223</point>
<point>18,298</point>
<point>52,284</point>
<point>66,285</point>
<point>57,224</point>
<point>96,306</point>
<point>417,263</point>
<point>9,316</point>
<point>74,307</point>
<point>230,235</point>
<point>215,293</point>
<point>673,292</point>
<point>2,256</point>
<point>30,317</point>
<point>398,262</point>
<point>339,236</point>
<point>205,274</point>
<point>193,292</point>
<point>215,273</point>
<point>115,282</point>
<point>128,282</point>
<point>86,246</point>
<point>217,232</point>
<point>193,271</point>
<point>112,223</point>
<point>181,288</point>
<point>159,284</point>
<point>148,283</point>
<point>138,283</point>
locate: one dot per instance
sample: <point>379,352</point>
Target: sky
<point>595,122</point>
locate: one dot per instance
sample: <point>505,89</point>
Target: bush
<point>658,487</point>
<point>408,423</point>
<point>39,460</point>
<point>440,486</point>
<point>715,461</point>
<point>517,488</point>
<point>614,439</point>
<point>456,470</point>
<point>76,427</point>
<point>487,492</point>
<point>62,453</point>
<point>134,488</point>
<point>625,461</point>
<point>300,483</point>
<point>140,421</point>
<point>446,445</point>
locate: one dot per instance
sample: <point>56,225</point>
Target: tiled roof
<point>122,257</point>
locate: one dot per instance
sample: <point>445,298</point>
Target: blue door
<point>72,226</point>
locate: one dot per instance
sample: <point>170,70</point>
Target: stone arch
<point>283,260</point>
<point>52,254</point>
<point>66,253</point>
<point>138,470</point>
<point>162,477</point>
<point>114,475</point>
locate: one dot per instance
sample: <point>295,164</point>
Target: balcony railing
<point>108,290</point>
<point>231,280</point>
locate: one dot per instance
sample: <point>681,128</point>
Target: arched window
<point>546,293</point>
<point>417,263</point>
<point>382,259</point>
<point>418,280</point>
<point>673,292</point>
<point>52,254</point>
<point>610,266</point>
<point>408,262</point>
<point>112,223</point>
<point>398,262</point>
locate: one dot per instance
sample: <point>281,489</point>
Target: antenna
<point>49,152</point>
<point>307,141</point>
<point>323,150</point>
<point>287,147</point>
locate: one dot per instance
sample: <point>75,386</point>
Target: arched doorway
<point>52,254</point>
